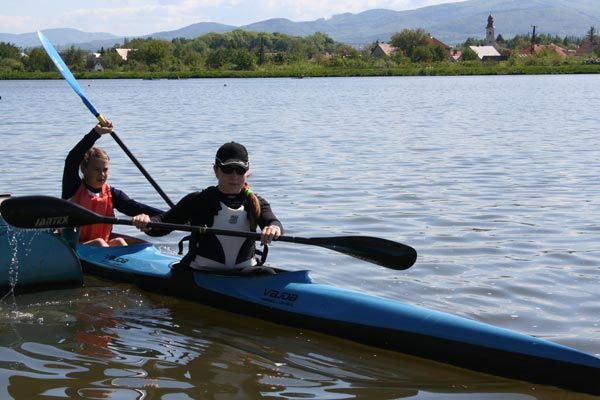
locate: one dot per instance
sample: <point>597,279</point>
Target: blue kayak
<point>291,298</point>
<point>34,260</point>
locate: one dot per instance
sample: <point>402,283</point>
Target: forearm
<point>71,179</point>
<point>267,216</point>
<point>129,206</point>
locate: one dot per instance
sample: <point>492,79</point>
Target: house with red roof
<point>587,48</point>
<point>538,48</point>
<point>382,49</point>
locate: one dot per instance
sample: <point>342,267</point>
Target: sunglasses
<point>229,169</point>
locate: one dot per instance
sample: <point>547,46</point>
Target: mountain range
<point>452,23</point>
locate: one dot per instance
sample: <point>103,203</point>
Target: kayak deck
<point>292,299</point>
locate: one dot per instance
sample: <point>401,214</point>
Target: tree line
<point>241,50</point>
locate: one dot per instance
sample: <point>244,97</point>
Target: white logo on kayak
<point>51,221</point>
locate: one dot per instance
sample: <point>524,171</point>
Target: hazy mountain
<point>61,37</point>
<point>452,23</point>
<point>194,30</point>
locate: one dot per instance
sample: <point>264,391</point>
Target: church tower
<point>490,35</point>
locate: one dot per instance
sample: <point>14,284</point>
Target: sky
<point>140,17</point>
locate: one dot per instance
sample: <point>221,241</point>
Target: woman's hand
<point>140,221</point>
<point>269,233</point>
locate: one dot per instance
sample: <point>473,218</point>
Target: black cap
<point>232,153</point>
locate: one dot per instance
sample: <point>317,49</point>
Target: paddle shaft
<point>177,227</point>
<point>139,165</point>
<point>376,250</point>
<point>51,212</point>
<point>66,73</point>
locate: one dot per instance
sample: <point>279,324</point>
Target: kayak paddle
<point>52,212</point>
<point>66,73</point>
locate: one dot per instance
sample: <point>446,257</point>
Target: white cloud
<point>14,24</point>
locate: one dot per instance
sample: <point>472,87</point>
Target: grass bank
<point>296,71</point>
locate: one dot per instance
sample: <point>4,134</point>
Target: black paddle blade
<point>379,251</point>
<point>46,212</point>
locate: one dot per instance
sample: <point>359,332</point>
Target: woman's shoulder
<point>205,194</point>
<point>262,200</point>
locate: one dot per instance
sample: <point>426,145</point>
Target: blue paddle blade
<point>65,72</point>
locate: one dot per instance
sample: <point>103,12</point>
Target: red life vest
<point>102,205</point>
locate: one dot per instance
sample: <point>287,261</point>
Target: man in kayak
<point>93,193</point>
<point>230,205</point>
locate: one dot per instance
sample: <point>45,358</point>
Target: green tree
<point>112,60</point>
<point>571,42</point>
<point>471,42</point>
<point>240,39</point>
<point>8,50</point>
<point>321,43</point>
<point>152,52</point>
<point>75,58</point>
<point>439,53</point>
<point>261,50</point>
<point>38,60</point>
<point>281,42</point>
<point>11,65</point>
<point>409,39</point>
<point>421,54</point>
<point>398,58</point>
<point>215,40</point>
<point>347,51</point>
<point>518,42</point>
<point>280,58</point>
<point>218,57</point>
<point>243,60</point>
<point>468,54</point>
<point>592,35</point>
<point>189,57</point>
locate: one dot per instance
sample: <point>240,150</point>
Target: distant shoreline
<point>462,69</point>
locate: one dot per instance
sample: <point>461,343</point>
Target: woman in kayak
<point>93,193</point>
<point>229,205</point>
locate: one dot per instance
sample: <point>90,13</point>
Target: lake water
<point>494,180</point>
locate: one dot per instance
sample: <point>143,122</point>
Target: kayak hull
<point>36,260</point>
<point>292,299</point>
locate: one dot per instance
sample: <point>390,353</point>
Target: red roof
<point>586,47</point>
<point>540,47</point>
<point>436,42</point>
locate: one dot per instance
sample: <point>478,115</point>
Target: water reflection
<point>120,343</point>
